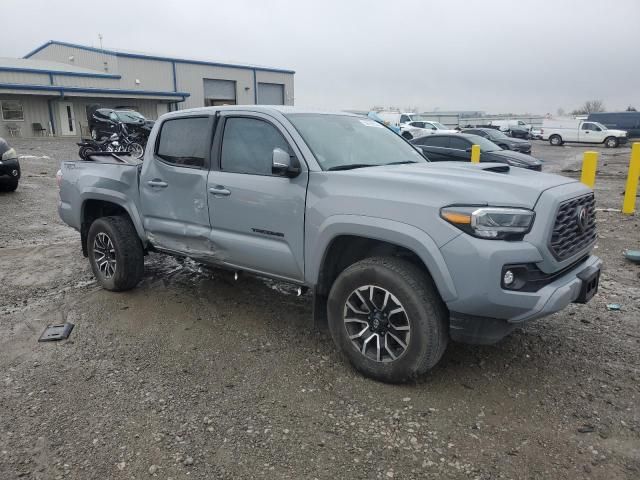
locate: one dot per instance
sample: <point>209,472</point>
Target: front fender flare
<point>397,233</point>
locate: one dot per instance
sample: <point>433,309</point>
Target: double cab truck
<point>402,255</point>
<point>558,132</point>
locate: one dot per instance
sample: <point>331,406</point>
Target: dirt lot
<point>193,375</point>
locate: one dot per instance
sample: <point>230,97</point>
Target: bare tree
<point>631,109</point>
<point>590,106</point>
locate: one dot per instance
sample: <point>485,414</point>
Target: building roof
<point>28,65</point>
<point>148,56</point>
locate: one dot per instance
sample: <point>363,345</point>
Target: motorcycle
<point>121,142</point>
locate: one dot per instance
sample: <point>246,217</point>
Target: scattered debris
<point>633,255</point>
<point>613,306</point>
<point>587,428</point>
<point>54,333</point>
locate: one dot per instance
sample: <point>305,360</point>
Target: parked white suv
<point>581,131</point>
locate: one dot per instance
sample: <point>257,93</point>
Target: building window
<point>12,110</point>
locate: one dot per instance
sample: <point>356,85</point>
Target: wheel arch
<point>347,240</point>
<point>94,207</point>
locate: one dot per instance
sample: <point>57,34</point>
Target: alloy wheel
<point>104,255</point>
<point>377,323</point>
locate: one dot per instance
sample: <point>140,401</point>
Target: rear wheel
<point>115,253</point>
<point>388,319</point>
<point>555,140</point>
<point>611,142</point>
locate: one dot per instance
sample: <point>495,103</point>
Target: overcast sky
<point>492,55</point>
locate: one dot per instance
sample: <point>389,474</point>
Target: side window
<point>247,146</point>
<point>404,119</point>
<point>417,124</point>
<point>459,143</point>
<point>183,141</point>
<point>113,117</point>
<point>590,126</point>
<point>435,141</point>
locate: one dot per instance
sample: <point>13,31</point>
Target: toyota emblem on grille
<point>582,218</point>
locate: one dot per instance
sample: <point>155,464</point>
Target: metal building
<point>49,91</point>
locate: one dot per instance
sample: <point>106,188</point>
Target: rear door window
<point>184,141</point>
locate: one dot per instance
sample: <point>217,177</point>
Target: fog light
<point>508,278</point>
<point>14,173</point>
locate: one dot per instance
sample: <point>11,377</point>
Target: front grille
<point>568,236</point>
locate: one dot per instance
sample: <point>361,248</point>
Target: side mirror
<point>283,164</point>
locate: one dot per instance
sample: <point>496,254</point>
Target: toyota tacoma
<point>402,255</point>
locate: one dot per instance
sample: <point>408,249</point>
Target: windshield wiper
<point>401,163</point>
<point>351,166</point>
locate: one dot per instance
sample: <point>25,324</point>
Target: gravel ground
<point>193,375</point>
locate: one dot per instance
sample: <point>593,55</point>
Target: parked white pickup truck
<point>581,131</point>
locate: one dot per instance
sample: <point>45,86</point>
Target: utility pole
<point>100,38</point>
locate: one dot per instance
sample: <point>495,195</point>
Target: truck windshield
<point>342,141</point>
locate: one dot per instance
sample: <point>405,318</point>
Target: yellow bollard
<point>630,191</point>
<point>589,166</point>
<point>475,154</point>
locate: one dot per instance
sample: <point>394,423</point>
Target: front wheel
<point>611,142</point>
<point>115,253</point>
<point>388,319</point>
<point>136,150</point>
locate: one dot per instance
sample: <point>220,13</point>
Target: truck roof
<point>282,109</point>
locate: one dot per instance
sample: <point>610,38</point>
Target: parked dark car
<point>518,132</point>
<point>9,167</point>
<point>629,121</point>
<point>457,147</point>
<point>103,122</point>
<point>499,138</point>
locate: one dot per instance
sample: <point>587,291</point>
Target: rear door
<point>257,218</point>
<point>173,187</point>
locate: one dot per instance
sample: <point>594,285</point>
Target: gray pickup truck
<point>401,254</point>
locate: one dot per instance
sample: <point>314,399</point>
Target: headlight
<point>9,154</point>
<point>495,223</point>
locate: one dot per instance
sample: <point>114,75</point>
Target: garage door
<point>219,92</point>
<point>270,94</point>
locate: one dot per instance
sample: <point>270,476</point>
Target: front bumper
<point>10,169</point>
<point>484,311</point>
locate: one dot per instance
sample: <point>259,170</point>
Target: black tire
<point>426,316</point>
<point>555,140</point>
<point>129,255</point>
<point>611,142</point>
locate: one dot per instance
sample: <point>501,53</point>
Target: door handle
<point>219,190</point>
<point>157,183</point>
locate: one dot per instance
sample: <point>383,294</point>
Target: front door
<point>173,187</point>
<point>257,218</point>
<point>67,119</point>
<point>591,133</point>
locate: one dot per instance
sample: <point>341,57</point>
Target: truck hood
<point>446,183</point>
<point>617,133</point>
